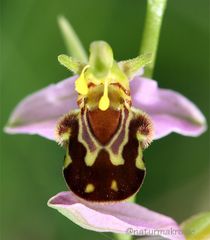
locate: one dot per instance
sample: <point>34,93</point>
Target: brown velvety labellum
<point>104,181</point>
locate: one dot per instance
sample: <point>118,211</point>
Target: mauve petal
<point>169,110</point>
<point>118,217</point>
<point>39,112</point>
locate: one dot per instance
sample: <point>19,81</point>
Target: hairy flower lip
<point>170,111</point>
<point>118,217</point>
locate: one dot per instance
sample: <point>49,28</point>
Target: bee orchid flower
<point>106,90</point>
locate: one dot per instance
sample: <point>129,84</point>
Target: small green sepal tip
<point>132,66</point>
<point>70,63</point>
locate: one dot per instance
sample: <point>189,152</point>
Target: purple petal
<point>39,112</point>
<point>121,217</point>
<point>169,110</point>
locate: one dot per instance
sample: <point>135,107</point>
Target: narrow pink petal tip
<point>127,218</point>
<point>39,112</point>
<point>169,110</point>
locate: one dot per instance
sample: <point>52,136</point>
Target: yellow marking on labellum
<point>89,188</point>
<point>65,136</point>
<point>81,85</point>
<point>139,159</point>
<point>119,129</point>
<point>117,159</point>
<point>140,137</point>
<point>104,101</point>
<point>114,186</point>
<point>67,160</point>
<point>90,133</point>
<point>90,155</point>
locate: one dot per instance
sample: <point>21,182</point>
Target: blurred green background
<point>177,182</point>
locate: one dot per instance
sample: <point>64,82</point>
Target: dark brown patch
<point>130,150</point>
<point>104,124</point>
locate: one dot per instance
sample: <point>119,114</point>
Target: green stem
<point>152,27</point>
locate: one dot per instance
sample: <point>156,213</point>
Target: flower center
<point>104,83</point>
<point>104,71</point>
